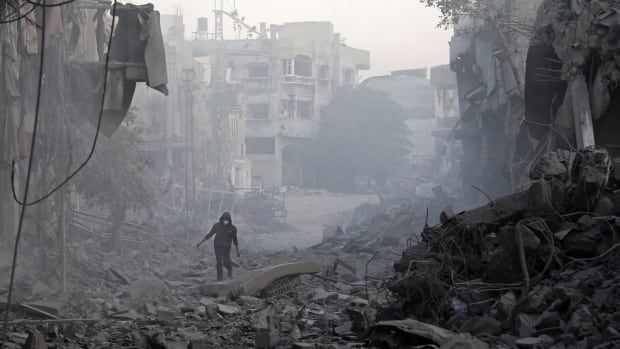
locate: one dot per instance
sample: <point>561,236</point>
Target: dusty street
<point>307,215</point>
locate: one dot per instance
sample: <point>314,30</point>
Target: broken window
<point>258,111</point>
<point>287,67</point>
<point>258,70</point>
<point>348,75</point>
<point>260,145</point>
<point>284,114</point>
<point>304,110</point>
<point>303,66</point>
<point>323,72</point>
<point>287,108</point>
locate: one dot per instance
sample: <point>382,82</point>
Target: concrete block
<point>252,282</point>
<point>265,339</point>
<point>165,314</point>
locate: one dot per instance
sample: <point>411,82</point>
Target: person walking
<point>225,235</point>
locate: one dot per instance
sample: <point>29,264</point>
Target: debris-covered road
<point>536,269</point>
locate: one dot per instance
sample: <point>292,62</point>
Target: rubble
<point>415,333</point>
<point>534,269</point>
<point>155,295</point>
<point>253,282</point>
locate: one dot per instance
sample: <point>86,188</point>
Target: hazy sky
<point>399,34</point>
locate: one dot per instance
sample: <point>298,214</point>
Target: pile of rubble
<point>537,269</point>
<point>161,293</point>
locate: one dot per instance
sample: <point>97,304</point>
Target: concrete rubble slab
<point>54,307</point>
<point>128,315</point>
<point>212,308</point>
<point>252,282</point>
<point>440,336</point>
<point>498,211</point>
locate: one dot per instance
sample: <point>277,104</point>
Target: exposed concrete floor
<point>307,215</point>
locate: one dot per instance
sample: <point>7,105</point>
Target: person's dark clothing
<point>225,236</point>
<point>222,258</point>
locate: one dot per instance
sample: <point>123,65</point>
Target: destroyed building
<point>276,85</point>
<point>68,87</point>
<point>571,75</point>
<point>448,150</point>
<point>249,106</point>
<point>488,53</point>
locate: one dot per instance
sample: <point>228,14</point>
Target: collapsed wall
<point>572,75</point>
<point>488,52</point>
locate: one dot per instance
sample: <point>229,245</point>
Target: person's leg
<point>228,263</point>
<point>219,257</point>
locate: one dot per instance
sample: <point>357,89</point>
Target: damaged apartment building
<point>248,106</point>
<point>274,86</point>
<point>488,53</point>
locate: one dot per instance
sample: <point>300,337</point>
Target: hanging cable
<point>27,185</point>
<point>25,15</point>
<point>16,10</point>
<point>30,160</point>
<point>92,149</point>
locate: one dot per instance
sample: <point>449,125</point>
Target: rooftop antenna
<point>219,19</point>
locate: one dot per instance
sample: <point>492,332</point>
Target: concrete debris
<point>267,328</point>
<point>518,276</point>
<point>124,279</point>
<point>252,282</point>
<point>505,275</point>
<point>361,314</point>
<point>148,288</point>
<point>407,333</point>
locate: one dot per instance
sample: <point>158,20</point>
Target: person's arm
<point>207,237</point>
<point>236,242</point>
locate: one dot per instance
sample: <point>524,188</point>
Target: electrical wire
<point>15,9</point>
<point>25,15</point>
<point>31,161</point>
<point>27,185</point>
<point>94,145</point>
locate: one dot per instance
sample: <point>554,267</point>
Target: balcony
<point>298,80</point>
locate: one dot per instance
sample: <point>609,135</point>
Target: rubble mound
<point>537,269</point>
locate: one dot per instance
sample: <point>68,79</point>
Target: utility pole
<point>239,23</point>
<point>190,156</point>
<point>63,239</point>
<point>219,19</point>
